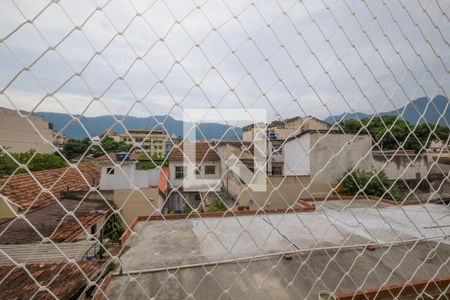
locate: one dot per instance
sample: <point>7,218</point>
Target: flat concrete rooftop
<point>328,244</point>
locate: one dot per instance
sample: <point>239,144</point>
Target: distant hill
<point>420,110</point>
<point>95,125</point>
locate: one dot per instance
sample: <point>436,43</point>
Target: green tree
<point>370,183</point>
<point>392,133</point>
<point>109,145</point>
<point>113,228</point>
<point>74,148</point>
<point>33,161</point>
<point>145,163</point>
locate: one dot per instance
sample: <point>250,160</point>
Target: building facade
<point>150,141</point>
<point>135,192</point>
<point>194,175</point>
<point>283,129</point>
<point>24,132</point>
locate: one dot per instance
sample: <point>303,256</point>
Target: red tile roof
<point>65,280</point>
<point>24,190</point>
<point>204,151</point>
<point>53,222</point>
<point>164,180</point>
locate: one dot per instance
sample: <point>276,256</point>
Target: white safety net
<point>224,149</point>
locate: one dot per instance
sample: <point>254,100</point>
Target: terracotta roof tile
<point>65,280</point>
<point>164,180</point>
<point>204,151</point>
<point>24,190</point>
<point>53,222</point>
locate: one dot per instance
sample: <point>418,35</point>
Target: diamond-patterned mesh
<point>224,149</point>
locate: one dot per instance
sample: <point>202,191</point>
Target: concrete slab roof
<point>344,228</point>
<point>302,277</point>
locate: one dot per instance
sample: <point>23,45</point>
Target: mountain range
<point>96,125</point>
<point>419,110</point>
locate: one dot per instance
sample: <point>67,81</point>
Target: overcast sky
<point>290,57</point>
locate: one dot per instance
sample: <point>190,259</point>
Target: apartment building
<point>280,130</point>
<point>151,141</point>
<point>194,175</point>
<point>135,192</point>
<point>24,132</point>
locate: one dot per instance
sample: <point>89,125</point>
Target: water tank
<point>120,156</point>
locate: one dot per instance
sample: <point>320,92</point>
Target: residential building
<point>21,132</point>
<point>42,196</point>
<point>325,155</point>
<point>134,191</point>
<point>282,129</point>
<point>59,140</point>
<point>281,190</point>
<point>59,226</point>
<point>112,134</point>
<point>439,151</point>
<point>24,191</point>
<point>194,174</point>
<point>151,141</point>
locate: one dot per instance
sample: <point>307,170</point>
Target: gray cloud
<point>293,58</point>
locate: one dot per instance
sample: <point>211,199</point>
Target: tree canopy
<point>33,161</point>
<point>392,133</point>
<point>74,148</point>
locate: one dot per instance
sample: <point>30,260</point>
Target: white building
<point>195,174</point>
<point>326,155</point>
<point>135,192</point>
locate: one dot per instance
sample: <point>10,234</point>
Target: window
<point>180,172</point>
<point>210,170</point>
<point>94,229</point>
<point>277,169</point>
<point>198,170</point>
<point>110,171</point>
<point>197,197</point>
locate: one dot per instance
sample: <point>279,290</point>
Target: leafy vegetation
<point>216,204</point>
<point>74,148</point>
<point>34,161</point>
<point>187,209</point>
<point>369,182</point>
<point>144,163</point>
<point>399,133</point>
<point>113,228</point>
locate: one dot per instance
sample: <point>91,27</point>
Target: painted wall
<point>18,135</point>
<point>127,177</point>
<point>7,211</point>
<point>123,177</point>
<point>282,192</point>
<point>296,157</point>
<point>402,166</point>
<point>139,202</point>
<point>147,178</point>
<point>208,179</point>
<point>333,154</point>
